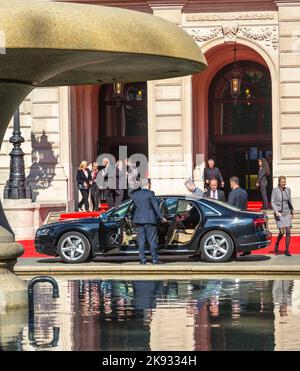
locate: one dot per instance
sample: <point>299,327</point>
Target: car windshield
<point>120,211</point>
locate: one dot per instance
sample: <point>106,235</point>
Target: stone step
<point>272,226</point>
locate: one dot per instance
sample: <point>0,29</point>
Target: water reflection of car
<point>214,230</point>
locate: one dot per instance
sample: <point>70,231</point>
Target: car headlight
<point>42,232</point>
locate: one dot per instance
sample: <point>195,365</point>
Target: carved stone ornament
<point>266,36</point>
<point>228,17</point>
<point>204,34</point>
<point>230,30</point>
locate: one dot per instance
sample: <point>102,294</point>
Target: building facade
<point>178,124</point>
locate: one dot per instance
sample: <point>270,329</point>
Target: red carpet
<point>294,248</point>
<point>30,251</point>
<point>254,205</point>
<point>89,214</point>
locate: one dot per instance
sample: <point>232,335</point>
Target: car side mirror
<point>104,217</point>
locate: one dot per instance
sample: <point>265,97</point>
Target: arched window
<point>249,113</point>
<point>240,125</point>
<point>124,120</point>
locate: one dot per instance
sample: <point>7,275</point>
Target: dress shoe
<point>158,262</point>
<point>287,253</point>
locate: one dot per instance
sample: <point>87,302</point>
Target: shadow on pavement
<point>253,258</point>
<point>166,259</point>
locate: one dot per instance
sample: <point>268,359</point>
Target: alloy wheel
<point>216,247</point>
<point>73,248</point>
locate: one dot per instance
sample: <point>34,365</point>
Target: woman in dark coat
<point>84,181</point>
<point>262,181</point>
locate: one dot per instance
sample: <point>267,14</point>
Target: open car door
<point>168,207</point>
<point>184,225</point>
<point>111,227</point>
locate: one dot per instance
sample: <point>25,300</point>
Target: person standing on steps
<point>262,180</point>
<point>281,201</point>
<point>213,191</point>
<point>212,172</point>
<point>238,197</point>
<point>84,181</point>
<point>95,191</point>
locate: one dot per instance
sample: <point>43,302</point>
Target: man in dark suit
<point>146,214</point>
<point>214,192</point>
<point>238,197</point>
<point>212,172</point>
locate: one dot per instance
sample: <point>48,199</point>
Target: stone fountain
<point>54,44</point>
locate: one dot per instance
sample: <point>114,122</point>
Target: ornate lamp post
<point>118,87</point>
<point>236,76</point>
<point>17,186</point>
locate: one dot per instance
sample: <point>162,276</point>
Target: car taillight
<point>259,221</point>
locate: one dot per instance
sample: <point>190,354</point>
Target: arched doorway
<point>240,128</point>
<point>123,121</point>
<point>220,55</point>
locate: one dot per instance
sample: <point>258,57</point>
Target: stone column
<point>289,71</point>
<point>170,124</point>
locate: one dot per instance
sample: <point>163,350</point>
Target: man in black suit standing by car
<point>212,172</point>
<point>238,197</point>
<point>213,191</point>
<point>146,215</point>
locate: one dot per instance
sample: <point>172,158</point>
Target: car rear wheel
<point>216,246</point>
<point>74,247</point>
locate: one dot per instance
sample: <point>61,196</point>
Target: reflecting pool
<point>162,315</point>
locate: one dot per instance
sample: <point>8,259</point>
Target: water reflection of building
<point>287,315</point>
<point>155,315</point>
<point>236,316</point>
<point>163,315</point>
<point>105,318</point>
<point>172,324</point>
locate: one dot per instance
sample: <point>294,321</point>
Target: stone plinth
<point>25,216</point>
<point>13,291</point>
<point>11,326</point>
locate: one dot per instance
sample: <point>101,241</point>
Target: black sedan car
<point>211,229</point>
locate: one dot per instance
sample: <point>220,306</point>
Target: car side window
<point>168,206</point>
<point>184,206</point>
<point>207,211</point>
<point>121,211</point>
